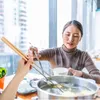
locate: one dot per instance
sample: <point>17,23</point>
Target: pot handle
<point>96,95</point>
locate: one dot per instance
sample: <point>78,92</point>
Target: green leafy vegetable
<point>3,72</point>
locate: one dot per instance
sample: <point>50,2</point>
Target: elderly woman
<point>68,55</point>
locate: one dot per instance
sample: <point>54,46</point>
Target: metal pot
<point>76,81</point>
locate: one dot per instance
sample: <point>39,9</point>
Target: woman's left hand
<point>24,67</point>
<point>75,72</point>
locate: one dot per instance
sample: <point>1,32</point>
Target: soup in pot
<point>68,89</point>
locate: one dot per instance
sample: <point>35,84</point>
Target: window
<point>36,26</point>
<point>63,16</point>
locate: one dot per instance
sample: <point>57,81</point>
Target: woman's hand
<point>24,67</point>
<point>75,72</point>
<point>33,51</point>
<point>22,70</point>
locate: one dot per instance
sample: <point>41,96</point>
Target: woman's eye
<point>67,34</point>
<point>76,36</point>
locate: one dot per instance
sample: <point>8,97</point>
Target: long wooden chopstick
<point>14,48</point>
<point>17,51</point>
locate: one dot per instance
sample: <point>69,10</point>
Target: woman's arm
<point>94,73</point>
<point>10,91</point>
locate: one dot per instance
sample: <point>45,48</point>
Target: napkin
<point>25,88</point>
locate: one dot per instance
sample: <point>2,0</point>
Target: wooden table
<point>26,97</point>
<point>29,96</point>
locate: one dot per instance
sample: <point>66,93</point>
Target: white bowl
<point>60,71</point>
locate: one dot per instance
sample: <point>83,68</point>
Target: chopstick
<point>17,50</point>
<point>38,60</point>
<point>25,58</point>
<point>14,48</point>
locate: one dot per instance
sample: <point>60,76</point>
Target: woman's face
<point>71,36</point>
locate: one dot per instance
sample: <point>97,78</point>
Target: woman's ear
<point>80,38</point>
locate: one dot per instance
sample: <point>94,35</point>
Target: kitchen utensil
<point>60,71</point>
<point>77,89</point>
<point>38,59</point>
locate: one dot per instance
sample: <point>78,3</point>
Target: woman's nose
<point>71,38</point>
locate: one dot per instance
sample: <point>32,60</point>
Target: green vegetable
<point>3,72</point>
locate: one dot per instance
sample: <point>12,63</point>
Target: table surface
<point>29,96</point>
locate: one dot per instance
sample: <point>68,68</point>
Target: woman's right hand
<point>34,51</point>
<point>24,67</point>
